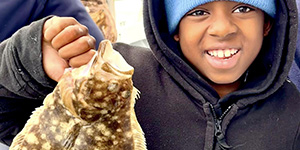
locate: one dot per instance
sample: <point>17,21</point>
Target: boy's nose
<point>222,27</point>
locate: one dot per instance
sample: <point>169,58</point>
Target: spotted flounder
<point>91,108</point>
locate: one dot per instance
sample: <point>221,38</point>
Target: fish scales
<point>91,108</point>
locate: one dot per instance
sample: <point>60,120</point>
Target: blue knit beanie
<point>176,9</point>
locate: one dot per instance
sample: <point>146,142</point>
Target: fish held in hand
<point>91,108</point>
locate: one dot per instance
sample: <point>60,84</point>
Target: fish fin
<point>18,141</point>
<point>138,134</point>
<point>72,136</point>
<point>135,95</point>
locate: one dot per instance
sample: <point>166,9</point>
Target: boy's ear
<point>176,37</point>
<point>267,26</point>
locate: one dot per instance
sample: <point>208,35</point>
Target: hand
<point>66,43</point>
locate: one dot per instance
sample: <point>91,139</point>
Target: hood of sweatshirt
<point>264,77</point>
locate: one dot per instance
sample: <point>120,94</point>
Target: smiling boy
<point>221,40</point>
<point>217,75</point>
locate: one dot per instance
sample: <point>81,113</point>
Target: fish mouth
<point>114,59</point>
<point>110,61</point>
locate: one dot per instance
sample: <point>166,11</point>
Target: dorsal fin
<point>34,118</point>
<point>138,134</point>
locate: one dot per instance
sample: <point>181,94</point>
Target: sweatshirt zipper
<point>220,136</point>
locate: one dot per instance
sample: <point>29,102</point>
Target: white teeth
<point>222,53</point>
<point>233,51</point>
<point>227,53</point>
<point>215,53</point>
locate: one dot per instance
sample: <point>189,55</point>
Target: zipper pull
<point>220,136</point>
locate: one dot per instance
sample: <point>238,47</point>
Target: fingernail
<point>80,31</point>
<point>91,43</point>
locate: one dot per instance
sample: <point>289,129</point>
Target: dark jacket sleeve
<point>21,68</point>
<point>294,73</point>
<point>23,83</point>
<point>18,13</point>
<point>297,139</point>
<point>297,54</point>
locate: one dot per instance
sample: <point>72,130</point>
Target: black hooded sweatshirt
<point>177,109</point>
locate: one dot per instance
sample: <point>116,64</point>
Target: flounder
<point>91,108</point>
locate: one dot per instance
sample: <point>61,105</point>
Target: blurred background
<point>119,20</point>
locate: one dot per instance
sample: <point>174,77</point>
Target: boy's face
<point>221,39</point>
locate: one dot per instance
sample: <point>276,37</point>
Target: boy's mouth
<point>223,59</point>
<point>223,53</point>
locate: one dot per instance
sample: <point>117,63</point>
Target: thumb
<point>54,66</point>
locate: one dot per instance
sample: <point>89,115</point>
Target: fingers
<point>61,31</point>
<point>77,47</point>
<point>68,35</point>
<point>81,59</point>
<point>55,25</point>
<point>70,39</point>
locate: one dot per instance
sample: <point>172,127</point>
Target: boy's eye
<point>243,9</point>
<point>197,13</point>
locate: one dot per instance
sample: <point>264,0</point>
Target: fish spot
<point>55,122</point>
<point>90,82</point>
<point>113,87</point>
<point>97,94</point>
<point>125,94</point>
<point>63,125</point>
<point>104,111</point>
<point>119,130</point>
<point>43,136</point>
<point>32,139</point>
<point>104,104</point>
<point>46,145</point>
<point>98,138</point>
<point>101,126</point>
<point>53,129</point>
<point>52,107</point>
<point>106,132</point>
<point>58,137</point>
<point>90,132</point>
<point>115,117</point>
<point>107,99</point>
<point>115,142</point>
<point>128,134</point>
<point>84,88</point>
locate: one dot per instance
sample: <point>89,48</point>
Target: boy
<point>217,75</point>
